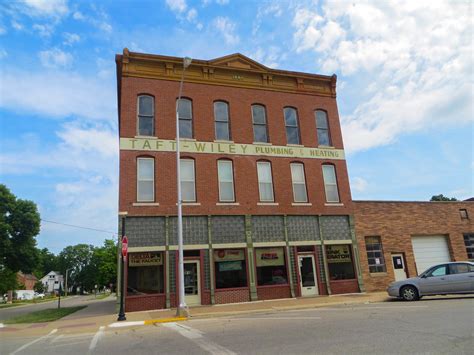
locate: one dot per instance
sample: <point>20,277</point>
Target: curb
<point>146,322</point>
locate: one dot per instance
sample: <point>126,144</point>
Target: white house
<point>52,281</point>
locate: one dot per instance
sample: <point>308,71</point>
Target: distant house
<point>52,281</point>
<point>28,280</point>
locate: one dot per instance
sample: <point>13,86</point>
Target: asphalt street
<point>431,326</point>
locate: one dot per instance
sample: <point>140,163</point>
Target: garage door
<point>430,250</point>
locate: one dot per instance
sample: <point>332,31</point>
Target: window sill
<point>378,274</point>
<point>301,204</point>
<point>187,139</point>
<point>146,137</point>
<point>145,204</point>
<point>190,204</point>
<point>223,141</point>
<point>267,204</point>
<point>261,143</point>
<point>295,145</point>
<point>227,204</point>
<point>334,204</point>
<point>326,147</point>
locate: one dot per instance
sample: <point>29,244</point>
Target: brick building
<point>267,203</point>
<point>398,240</point>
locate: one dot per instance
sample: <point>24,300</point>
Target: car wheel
<point>409,293</point>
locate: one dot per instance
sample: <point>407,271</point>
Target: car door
<point>434,281</point>
<point>461,277</point>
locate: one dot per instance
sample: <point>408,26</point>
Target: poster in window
<point>230,266</point>
<point>338,254</point>
<point>270,257</point>
<point>229,255</point>
<point>145,259</point>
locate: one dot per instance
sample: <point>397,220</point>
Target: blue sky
<point>405,94</point>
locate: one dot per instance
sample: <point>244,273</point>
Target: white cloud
<point>2,30</point>
<point>227,29</point>
<point>58,94</point>
<point>98,19</point>
<point>412,61</point>
<point>55,58</point>
<point>192,15</point>
<point>178,6</point>
<point>71,38</point>
<point>45,30</point>
<point>359,184</point>
<point>16,25</point>
<point>77,15</point>
<point>269,57</point>
<point>46,7</point>
<point>3,53</point>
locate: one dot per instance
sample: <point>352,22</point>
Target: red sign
<point>124,246</point>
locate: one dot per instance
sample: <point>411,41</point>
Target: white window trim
<point>331,184</point>
<point>186,119</point>
<point>193,181</point>
<point>215,120</point>
<point>152,115</point>
<point>227,181</point>
<point>293,183</point>
<point>266,163</point>
<point>138,164</point>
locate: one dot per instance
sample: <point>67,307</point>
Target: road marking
<point>96,338</point>
<point>197,337</point>
<point>2,325</point>
<point>34,341</point>
<point>125,324</point>
<point>256,318</point>
<point>347,307</point>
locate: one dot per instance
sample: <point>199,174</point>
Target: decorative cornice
<point>235,70</point>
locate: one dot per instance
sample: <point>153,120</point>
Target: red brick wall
<point>397,222</point>
<point>245,175</point>
<point>271,293</point>
<point>142,303</point>
<point>344,286</point>
<point>232,296</point>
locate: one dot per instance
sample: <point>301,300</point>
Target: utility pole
<point>121,315</point>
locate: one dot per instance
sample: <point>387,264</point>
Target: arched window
<point>259,121</point>
<point>330,183</point>
<point>323,128</point>
<point>225,174</point>
<point>291,125</point>
<point>221,117</point>
<point>185,114</point>
<point>146,115</point>
<point>145,179</point>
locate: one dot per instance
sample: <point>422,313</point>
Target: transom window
<point>299,183</point>
<point>188,181</point>
<point>221,116</point>
<point>330,183</point>
<point>259,120</point>
<point>375,258</point>
<point>146,115</point>
<point>226,180</point>
<point>145,179</point>
<point>265,181</point>
<point>185,114</point>
<point>291,124</point>
<point>323,128</point>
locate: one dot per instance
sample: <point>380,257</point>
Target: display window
<point>145,273</point>
<point>339,259</point>
<point>271,266</point>
<point>230,268</point>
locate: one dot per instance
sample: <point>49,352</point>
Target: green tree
<point>105,258</point>
<point>47,262</point>
<point>441,197</point>
<point>77,258</point>
<point>39,287</point>
<point>19,225</point>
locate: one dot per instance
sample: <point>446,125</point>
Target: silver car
<point>442,279</point>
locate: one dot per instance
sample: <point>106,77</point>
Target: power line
<point>80,227</point>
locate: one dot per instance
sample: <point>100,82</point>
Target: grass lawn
<point>102,295</point>
<point>45,315</point>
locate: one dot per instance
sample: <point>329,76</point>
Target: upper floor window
<point>265,181</point>
<point>188,181</point>
<point>299,183</point>
<point>146,115</point>
<point>291,125</point>
<point>185,114</point>
<point>259,120</point>
<point>226,180</point>
<point>145,179</point>
<point>221,117</point>
<point>323,128</point>
<point>330,183</point>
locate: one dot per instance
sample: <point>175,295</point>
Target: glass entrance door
<point>308,280</point>
<point>192,283</point>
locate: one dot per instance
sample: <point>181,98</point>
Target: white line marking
<point>96,338</point>
<point>57,338</point>
<point>2,325</point>
<point>34,341</point>
<point>197,337</point>
<point>125,324</point>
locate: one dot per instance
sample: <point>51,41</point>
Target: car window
<point>438,271</point>
<point>471,268</point>
<point>458,268</point>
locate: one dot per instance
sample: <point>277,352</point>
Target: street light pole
<point>121,315</point>
<point>65,291</point>
<point>182,310</point>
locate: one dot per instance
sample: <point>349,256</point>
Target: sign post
<point>121,315</point>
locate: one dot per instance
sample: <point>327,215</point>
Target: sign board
<point>270,256</point>
<point>145,259</point>
<point>338,254</point>
<point>230,266</point>
<point>124,246</point>
<point>228,255</point>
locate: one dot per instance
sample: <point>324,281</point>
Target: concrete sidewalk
<point>90,323</point>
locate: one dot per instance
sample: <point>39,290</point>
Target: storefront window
<point>230,268</point>
<point>145,273</point>
<point>271,266</point>
<point>339,260</point>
